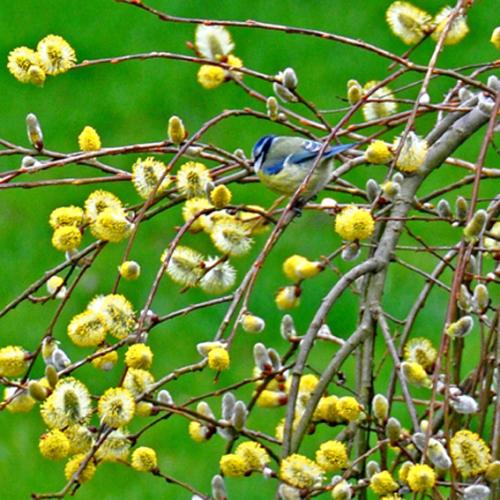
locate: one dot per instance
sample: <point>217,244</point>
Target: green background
<point>131,103</point>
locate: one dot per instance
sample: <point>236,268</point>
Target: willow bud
<point>272,108</point>
<point>464,299</point>
<point>481,299</point>
<point>51,375</point>
<point>342,491</point>
<point>437,454</point>
<point>475,227</point>
<point>239,415</point>
<point>218,488</point>
<point>261,357</point>
<point>464,94</point>
<point>290,80</point>
<point>464,404</point>
<point>37,390</point>
<point>228,402</point>
<point>287,327</point>
<point>35,134</point>
<point>492,473</point>
<point>444,209</point>
<point>393,430</point>
<point>176,130</point>
<point>380,407</point>
<point>390,189</point>
<point>275,359</point>
<point>476,492</point>
<point>283,93</point>
<point>372,190</point>
<point>204,409</point>
<point>354,92</point>
<point>351,251</point>
<point>398,177</point>
<point>252,324</point>
<point>461,207</point>
<point>60,359</point>
<point>165,397</point>
<point>28,162</point>
<point>239,153</point>
<point>460,328</point>
<point>372,468</point>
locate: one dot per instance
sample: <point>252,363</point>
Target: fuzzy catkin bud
<point>475,226</point>
<point>252,324</point>
<point>438,455</point>
<point>35,134</point>
<point>393,430</point>
<point>390,189</point>
<point>176,130</point>
<point>461,207</point>
<point>380,407</point>
<point>471,266</point>
<point>272,108</point>
<point>354,92</point>
<point>287,327</point>
<point>342,491</point>
<point>204,409</point>
<point>464,300</point>
<point>261,357</point>
<point>444,209</point>
<point>290,80</point>
<point>129,270</point>
<point>464,94</point>
<point>372,189</point>
<point>492,473</point>
<point>495,37</point>
<point>464,404</point>
<point>476,492</point>
<point>218,488</point>
<point>51,375</point>
<point>372,468</point>
<point>351,251</point>
<point>60,359</point>
<point>481,299</point>
<point>283,93</point>
<point>425,98</point>
<point>275,359</point>
<point>228,402</point>
<point>29,162</point>
<point>37,390</point>
<point>165,398</point>
<point>460,328</point>
<point>239,415</point>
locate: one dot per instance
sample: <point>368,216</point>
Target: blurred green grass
<point>131,103</point>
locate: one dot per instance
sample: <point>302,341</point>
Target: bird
<point>283,162</point>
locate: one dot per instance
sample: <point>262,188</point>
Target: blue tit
<point>282,163</point>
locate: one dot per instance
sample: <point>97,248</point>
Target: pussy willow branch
<point>48,274</point>
<point>313,33</point>
<point>425,84</point>
<point>463,256</point>
<point>449,141</point>
<point>412,315</point>
<point>379,316</point>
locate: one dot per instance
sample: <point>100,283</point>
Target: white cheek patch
<point>257,164</point>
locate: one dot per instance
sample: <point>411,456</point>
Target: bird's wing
<point>303,156</point>
<point>308,151</point>
<point>275,167</point>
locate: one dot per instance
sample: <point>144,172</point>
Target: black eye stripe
<point>262,146</point>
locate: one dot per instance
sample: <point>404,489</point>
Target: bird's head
<point>260,151</point>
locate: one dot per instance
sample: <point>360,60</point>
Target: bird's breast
<point>288,179</point>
